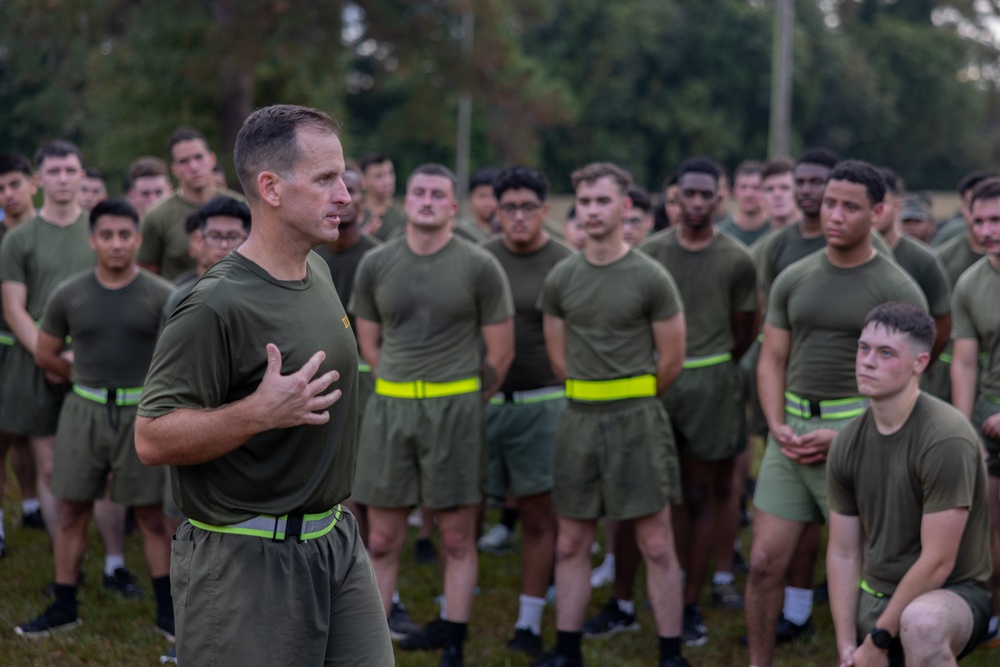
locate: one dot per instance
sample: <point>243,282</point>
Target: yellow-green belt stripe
<point>710,360</point>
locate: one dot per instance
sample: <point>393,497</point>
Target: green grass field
<point>119,633</point>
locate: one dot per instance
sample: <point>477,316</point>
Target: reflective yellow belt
<point>528,396</point>
<point>611,390</point>
<point>947,358</point>
<point>710,360</point>
<point>364,368</point>
<point>839,408</point>
<point>421,389</point>
<point>991,399</point>
<point>6,338</point>
<point>871,591</point>
<point>279,528</point>
<point>120,397</point>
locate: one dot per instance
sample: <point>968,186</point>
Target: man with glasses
<point>521,418</point>
<point>638,220</point>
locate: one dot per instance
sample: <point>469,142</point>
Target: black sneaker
<point>432,636</point>
<point>165,624</point>
<point>401,625</point>
<point>425,552</point>
<point>3,546</point>
<point>452,657</point>
<point>33,520</point>
<point>739,564</point>
<point>122,583</point>
<point>676,661</point>
<point>610,621</point>
<point>726,596</point>
<point>53,619</point>
<point>526,641</point>
<point>694,632</point>
<point>169,656</point>
<point>790,633</point>
<point>557,660</point>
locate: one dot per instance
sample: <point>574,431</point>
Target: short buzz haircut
<point>776,167</point>
<point>181,134</point>
<point>971,180</point>
<point>372,158</point>
<point>891,180</point>
<point>520,177</point>
<point>192,223</point>
<point>904,318</point>
<point>117,207</point>
<point>598,170</point>
<point>824,157</point>
<point>12,162</point>
<point>985,190</point>
<point>482,177</point>
<point>226,206</point>
<point>862,173</point>
<point>700,165</point>
<point>91,172</point>
<point>268,141</point>
<point>669,181</point>
<point>56,148</point>
<point>146,166</point>
<point>435,169</point>
<point>640,199</point>
<point>748,168</point>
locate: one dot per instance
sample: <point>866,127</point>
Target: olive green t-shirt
<point>344,265</point>
<point>956,256</point>
<point>526,273</point>
<point>787,245</point>
<point>181,290</point>
<point>4,328</point>
<point>747,238</point>
<point>164,240</point>
<point>212,353</point>
<point>976,315</point>
<point>393,223</point>
<point>919,261</point>
<point>714,282</point>
<point>470,231</point>
<point>41,255</point>
<point>948,230</point>
<point>114,331</point>
<point>608,312</point>
<point>931,464</point>
<point>431,308</point>
<point>824,307</point>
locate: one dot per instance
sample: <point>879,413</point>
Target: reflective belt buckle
<point>293,527</point>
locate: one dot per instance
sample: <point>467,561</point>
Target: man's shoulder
<point>973,276</point>
<point>665,238</point>
<point>166,210</point>
<point>232,194</point>
<point>158,283</point>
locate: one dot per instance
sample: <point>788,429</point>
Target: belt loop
<point>274,535</point>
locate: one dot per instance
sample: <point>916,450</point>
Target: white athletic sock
<point>798,604</point>
<point>994,626</point>
<point>444,608</point>
<point>112,563</point>
<point>626,606</point>
<point>609,561</point>
<point>30,505</point>
<point>529,614</point>
<point>2,534</point>
<point>395,596</point>
<point>722,578</point>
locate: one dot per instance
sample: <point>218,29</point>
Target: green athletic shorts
<point>756,422</point>
<point>615,459</point>
<point>366,387</point>
<point>704,405</point>
<point>242,600</point>
<point>31,403</point>
<point>93,440</point>
<point>521,447</point>
<point>981,411</point>
<point>5,351</point>
<point>429,452</point>
<point>975,594</point>
<point>792,490</point>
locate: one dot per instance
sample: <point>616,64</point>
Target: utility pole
<point>463,141</point>
<point>779,142</point>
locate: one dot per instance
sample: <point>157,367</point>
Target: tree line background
<point>554,83</point>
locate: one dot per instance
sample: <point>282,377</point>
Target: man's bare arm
<point>843,570</point>
<point>15,313</point>
<point>942,334</point>
<point>771,370</point>
<point>499,341</point>
<point>669,337</point>
<point>555,344</point>
<point>369,340</point>
<point>964,374</point>
<point>744,326</point>
<point>48,355</point>
<point>191,436</point>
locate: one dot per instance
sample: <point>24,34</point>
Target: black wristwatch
<point>881,638</point>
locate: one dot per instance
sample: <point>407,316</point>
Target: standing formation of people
<point>281,412</point>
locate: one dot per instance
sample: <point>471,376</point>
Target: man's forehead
<point>430,182</point>
<point>812,170</point>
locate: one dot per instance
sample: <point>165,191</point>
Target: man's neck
<point>892,237</point>
<point>810,227</point>
<point>890,413</point>
<point>378,206</point>
<point>779,222</point>
<point>485,225</point>
<point>695,238</point>
<point>202,196</point>
<point>349,237</point>
<point>10,221</point>
<point>847,258</point>
<point>750,222</point>
<point>605,250</point>
<point>523,249</point>
<point>427,240</point>
<point>974,245</point>
<point>283,257</point>
<point>61,215</point>
<point>111,279</point>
